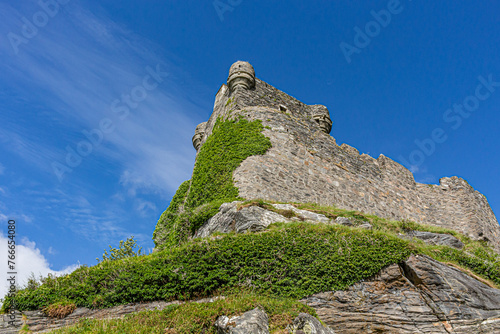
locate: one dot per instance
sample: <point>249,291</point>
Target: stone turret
<point>241,74</point>
<point>199,133</point>
<point>321,115</point>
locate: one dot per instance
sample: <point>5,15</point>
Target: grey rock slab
<point>251,322</point>
<point>304,214</point>
<point>420,295</point>
<point>437,239</point>
<point>230,219</point>
<point>348,222</point>
<point>307,324</point>
<point>252,219</point>
<point>344,221</point>
<point>366,226</point>
<point>221,222</point>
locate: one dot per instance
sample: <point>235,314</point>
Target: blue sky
<point>134,78</point>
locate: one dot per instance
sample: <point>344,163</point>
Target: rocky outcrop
<point>251,322</point>
<point>38,322</point>
<point>256,322</point>
<point>437,239</point>
<point>253,218</point>
<point>304,215</point>
<point>420,295</point>
<point>307,324</point>
<point>440,239</point>
<point>348,222</point>
<point>230,219</point>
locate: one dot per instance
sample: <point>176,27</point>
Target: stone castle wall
<point>306,165</point>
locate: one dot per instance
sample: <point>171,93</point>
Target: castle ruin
<point>305,164</point>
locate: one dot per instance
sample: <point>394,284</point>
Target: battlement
<point>305,164</point>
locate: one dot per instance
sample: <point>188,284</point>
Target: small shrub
<point>408,225</point>
<point>124,250</point>
<point>287,213</point>
<point>59,309</point>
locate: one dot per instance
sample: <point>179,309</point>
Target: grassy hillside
<point>281,265</point>
<point>292,260</point>
<point>197,318</point>
<point>272,269</point>
<point>288,260</point>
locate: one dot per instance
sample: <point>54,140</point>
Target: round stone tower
<point>241,74</point>
<point>322,116</point>
<point>199,133</point>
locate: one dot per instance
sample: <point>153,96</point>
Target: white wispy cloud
<point>82,62</point>
<point>29,260</point>
<point>145,207</point>
<point>94,224</point>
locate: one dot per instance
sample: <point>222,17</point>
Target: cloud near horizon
<point>30,261</point>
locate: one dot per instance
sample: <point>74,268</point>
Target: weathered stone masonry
<point>306,165</point>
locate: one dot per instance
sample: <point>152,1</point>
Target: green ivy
<point>231,142</point>
<point>167,229</point>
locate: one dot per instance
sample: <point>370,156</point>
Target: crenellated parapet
<point>395,171</point>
